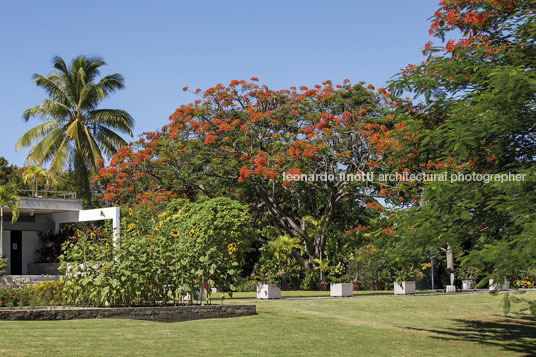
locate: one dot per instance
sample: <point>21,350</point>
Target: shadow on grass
<point>515,334</point>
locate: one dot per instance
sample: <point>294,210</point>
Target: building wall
<point>30,243</point>
<point>5,248</point>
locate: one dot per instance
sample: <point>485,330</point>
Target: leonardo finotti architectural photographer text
<point>421,177</point>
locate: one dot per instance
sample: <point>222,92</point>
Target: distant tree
<point>6,171</point>
<point>34,173</point>
<point>78,134</point>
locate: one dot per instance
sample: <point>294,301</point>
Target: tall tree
<point>9,198</point>
<point>476,115</point>
<point>244,139</point>
<point>77,134</point>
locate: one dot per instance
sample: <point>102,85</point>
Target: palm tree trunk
<point>87,192</point>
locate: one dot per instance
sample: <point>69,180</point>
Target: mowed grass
<point>300,293</point>
<point>446,325</point>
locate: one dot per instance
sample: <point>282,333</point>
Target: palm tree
<point>34,173</point>
<point>8,197</point>
<point>77,133</point>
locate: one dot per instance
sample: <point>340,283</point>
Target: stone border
<point>157,313</point>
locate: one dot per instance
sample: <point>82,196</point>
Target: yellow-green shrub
<point>48,292</point>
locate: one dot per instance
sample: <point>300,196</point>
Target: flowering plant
<point>193,246</point>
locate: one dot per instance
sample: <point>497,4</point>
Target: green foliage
<point>34,174</point>
<point>310,280</point>
<point>509,299</point>
<point>8,197</point>
<point>192,246</point>
<point>276,258</point>
<point>49,247</point>
<point>407,273</point>
<point>468,273</point>
<point>3,264</point>
<point>7,172</point>
<point>475,114</point>
<point>48,292</point>
<point>17,296</point>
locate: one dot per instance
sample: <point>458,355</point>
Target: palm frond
<point>109,84</point>
<point>60,158</point>
<point>9,198</point>
<point>59,64</point>
<point>109,141</point>
<point>48,109</point>
<point>95,153</point>
<point>46,147</point>
<point>72,130</point>
<point>51,87</point>
<point>36,132</point>
<point>112,118</point>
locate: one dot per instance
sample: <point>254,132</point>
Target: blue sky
<point>162,46</point>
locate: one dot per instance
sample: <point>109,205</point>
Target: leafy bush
<point>48,292</point>
<point>189,247</point>
<point>311,279</point>
<point>3,263</point>
<point>13,297</point>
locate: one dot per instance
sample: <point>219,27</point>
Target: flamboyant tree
<point>243,140</point>
<point>476,114</point>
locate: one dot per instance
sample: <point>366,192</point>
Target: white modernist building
<point>20,240</point>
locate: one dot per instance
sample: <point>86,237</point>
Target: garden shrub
<point>312,277</point>
<point>15,296</point>
<point>48,292</point>
<point>3,262</point>
<point>190,246</point>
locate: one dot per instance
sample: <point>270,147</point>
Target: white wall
<point>30,243</point>
<point>6,249</point>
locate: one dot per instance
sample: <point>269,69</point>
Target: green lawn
<point>446,325</point>
<point>301,293</point>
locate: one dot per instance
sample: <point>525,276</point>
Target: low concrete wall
<point>44,269</point>
<point>160,314</point>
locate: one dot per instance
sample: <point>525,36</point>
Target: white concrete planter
<point>268,291</point>
<point>450,289</point>
<point>341,289</point>
<point>407,287</point>
<point>467,284</point>
<point>493,286</point>
<point>199,296</point>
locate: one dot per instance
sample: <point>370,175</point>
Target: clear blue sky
<point>162,46</point>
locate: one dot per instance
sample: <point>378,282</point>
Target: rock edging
<point>156,313</point>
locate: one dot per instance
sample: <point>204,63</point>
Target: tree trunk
<point>88,195</point>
